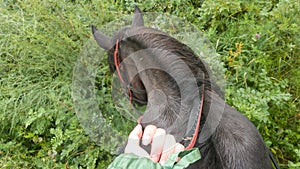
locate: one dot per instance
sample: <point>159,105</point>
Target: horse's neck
<point>171,89</point>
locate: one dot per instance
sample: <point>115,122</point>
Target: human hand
<point>162,144</point>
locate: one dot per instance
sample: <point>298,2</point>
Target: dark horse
<point>168,77</point>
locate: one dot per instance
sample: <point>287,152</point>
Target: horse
<point>174,84</point>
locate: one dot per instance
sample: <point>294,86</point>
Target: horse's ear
<point>137,18</point>
<point>102,40</point>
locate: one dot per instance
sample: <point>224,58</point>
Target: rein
<point>117,65</point>
<point>195,135</point>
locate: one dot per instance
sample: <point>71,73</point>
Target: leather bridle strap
<point>117,64</point>
<point>195,135</point>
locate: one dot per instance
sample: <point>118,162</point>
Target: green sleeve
<point>128,161</point>
<point>131,161</point>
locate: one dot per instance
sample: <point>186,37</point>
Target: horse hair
<point>226,139</point>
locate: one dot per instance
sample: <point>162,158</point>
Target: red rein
<point>117,64</point>
<point>195,135</point>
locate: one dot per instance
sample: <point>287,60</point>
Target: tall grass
<point>40,42</point>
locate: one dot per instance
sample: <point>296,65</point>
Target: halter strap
<point>117,64</point>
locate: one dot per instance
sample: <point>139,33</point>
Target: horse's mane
<point>145,38</point>
<point>173,54</point>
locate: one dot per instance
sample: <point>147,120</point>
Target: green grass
<point>40,43</point>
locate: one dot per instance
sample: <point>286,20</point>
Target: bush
<point>40,41</point>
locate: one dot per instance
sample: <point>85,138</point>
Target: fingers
<point>162,145</point>
<point>169,148</point>
<point>178,148</point>
<point>135,135</point>
<point>148,134</point>
<point>157,144</point>
<point>133,142</point>
<point>135,149</point>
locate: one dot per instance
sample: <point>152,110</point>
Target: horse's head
<point>124,48</point>
<point>160,72</point>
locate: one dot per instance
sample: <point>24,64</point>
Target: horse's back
<point>235,143</point>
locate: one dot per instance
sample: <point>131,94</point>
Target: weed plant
<point>40,41</point>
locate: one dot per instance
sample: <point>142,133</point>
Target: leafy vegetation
<point>40,41</point>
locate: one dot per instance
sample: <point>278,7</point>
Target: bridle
<point>195,134</point>
<point>117,64</point>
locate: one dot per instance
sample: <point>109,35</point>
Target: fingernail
<point>146,139</point>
